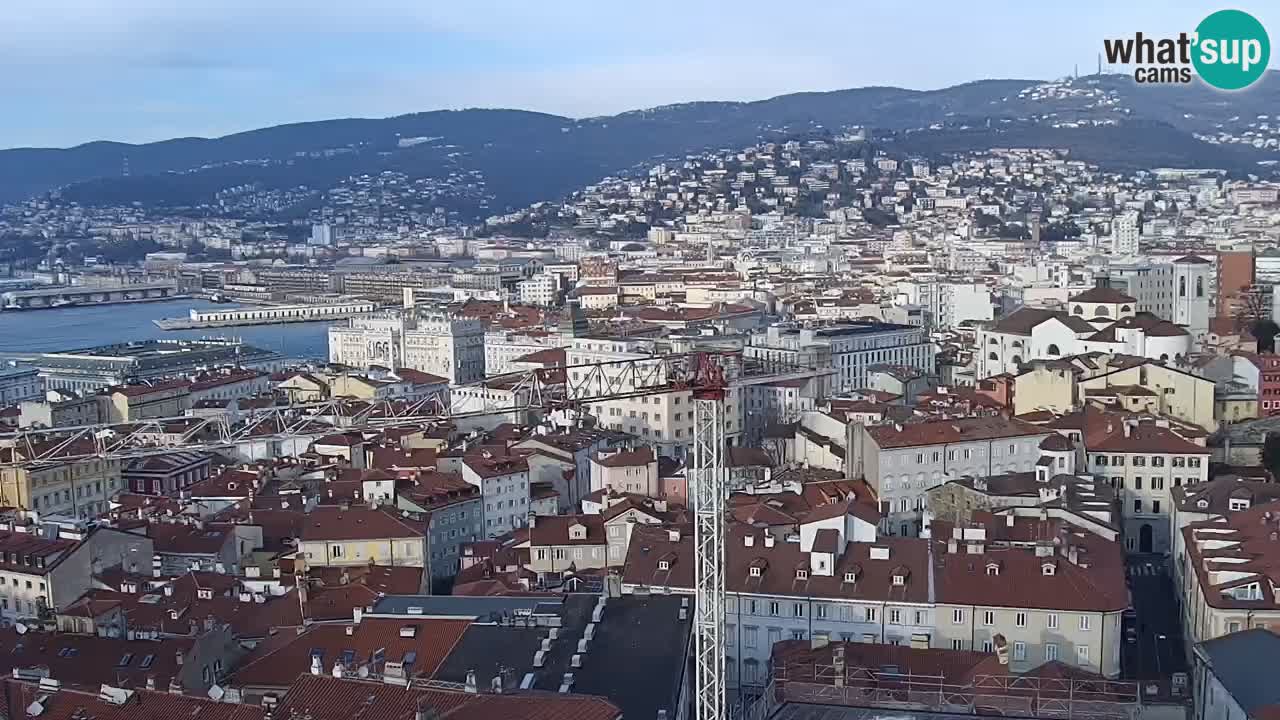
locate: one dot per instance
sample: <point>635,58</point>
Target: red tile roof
<point>330,523</point>
<point>280,661</point>
<point>937,432</point>
<point>321,697</point>
<point>75,704</point>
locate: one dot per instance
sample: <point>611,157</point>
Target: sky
<point>73,71</point>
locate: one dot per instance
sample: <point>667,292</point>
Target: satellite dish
<point>20,628</point>
<point>34,709</point>
<point>216,693</point>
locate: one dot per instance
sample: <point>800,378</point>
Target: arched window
<point>1199,287</point>
<point>1164,356</point>
<point>1182,286</point>
<point>1017,359</point>
<point>1016,343</point>
<point>1078,310</point>
<point>993,341</point>
<point>1053,350</point>
<point>993,356</point>
<point>1102,311</point>
<point>1124,309</point>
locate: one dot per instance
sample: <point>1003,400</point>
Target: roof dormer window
<point>899,580</point>
<point>993,568</point>
<point>1048,569</point>
<point>664,565</point>
<point>850,577</point>
<point>802,574</point>
<point>755,572</point>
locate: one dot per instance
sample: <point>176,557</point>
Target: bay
<point>89,326</point>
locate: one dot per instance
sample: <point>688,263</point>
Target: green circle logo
<point>1232,50</point>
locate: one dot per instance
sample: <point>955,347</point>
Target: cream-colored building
<point>563,544</point>
<point>337,535</point>
<point>75,489</point>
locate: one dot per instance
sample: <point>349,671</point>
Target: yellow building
<point>75,489</point>
<point>357,535</point>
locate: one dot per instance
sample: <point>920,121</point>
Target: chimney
<point>471,682</point>
<point>175,686</point>
<point>316,667</point>
<point>768,539</point>
<point>748,540</point>
<point>180,657</point>
<point>151,682</point>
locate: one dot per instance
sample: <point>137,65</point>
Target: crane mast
<point>710,484</point>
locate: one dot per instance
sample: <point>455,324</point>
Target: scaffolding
<point>891,687</point>
<point>710,483</point>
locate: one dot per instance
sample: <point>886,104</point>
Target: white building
<point>504,489</point>
<point>542,290</point>
<point>1181,291</point>
<point>1124,234</point>
<point>321,234</point>
<point>18,385</point>
<point>433,343</point>
<point>848,349</point>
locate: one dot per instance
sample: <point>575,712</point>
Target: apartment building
<point>167,474</point>
<point>663,420</point>
<point>452,508</point>
<point>1233,676</point>
<point>129,403</point>
<point>824,584</point>
<point>849,349</point>
<point>626,471</point>
<point>361,535</point>
<point>18,385</point>
<point>1144,460</point>
<point>541,290</point>
<point>903,462</point>
<point>561,545</point>
<point>79,490</point>
<point>1226,573</point>
<point>504,488</point>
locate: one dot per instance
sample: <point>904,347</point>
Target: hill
<point>524,156</point>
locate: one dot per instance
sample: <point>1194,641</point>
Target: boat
<point>219,298</point>
<point>64,303</point>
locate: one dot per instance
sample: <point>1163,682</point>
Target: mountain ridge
<point>525,155</point>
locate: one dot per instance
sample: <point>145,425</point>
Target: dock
<point>79,296</point>
<point>273,315</point>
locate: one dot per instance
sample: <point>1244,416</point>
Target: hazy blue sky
<point>139,70</point>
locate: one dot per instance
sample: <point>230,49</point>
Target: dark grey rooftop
<point>483,609</point>
<point>845,330</point>
<point>637,657</point>
<point>1245,663</point>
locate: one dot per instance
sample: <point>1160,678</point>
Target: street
<point>1158,652</point>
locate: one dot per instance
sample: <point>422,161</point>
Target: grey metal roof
<point>1245,663</point>
<point>484,609</point>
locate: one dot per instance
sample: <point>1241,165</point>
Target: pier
<point>266,315</point>
<point>74,295</point>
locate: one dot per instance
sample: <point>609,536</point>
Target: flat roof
<point>484,609</point>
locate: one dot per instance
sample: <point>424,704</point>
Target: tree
<point>1271,454</point>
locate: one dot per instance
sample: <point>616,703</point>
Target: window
<point>987,646</point>
<point>1053,621</point>
<point>774,609</point>
<point>1139,461</point>
<point>988,618</point>
<point>749,637</point>
<point>335,551</point>
<point>1117,460</point>
<point>1137,483</point>
<point>1020,620</point>
<point>1082,654</point>
<point>797,609</point>
<point>1019,650</point>
<point>919,617</point>
<point>821,611</point>
<point>728,635</point>
<point>871,614</point>
<point>1137,506</point>
<point>957,644</point>
<point>1155,506</point>
<point>1084,622</point>
<point>1050,652</point>
<point>957,616</point>
<point>1156,460</point>
<point>895,617</point>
